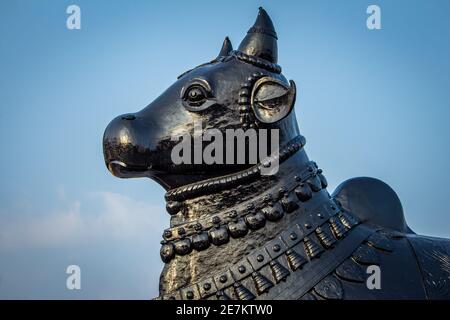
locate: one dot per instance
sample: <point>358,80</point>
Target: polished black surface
<point>238,234</point>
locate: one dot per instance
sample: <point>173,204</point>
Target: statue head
<point>239,89</point>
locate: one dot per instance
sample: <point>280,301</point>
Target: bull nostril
<point>129,117</point>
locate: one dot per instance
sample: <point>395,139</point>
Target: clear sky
<point>370,103</point>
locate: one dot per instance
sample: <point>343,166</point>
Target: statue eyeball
<point>195,96</point>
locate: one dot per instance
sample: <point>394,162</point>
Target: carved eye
<point>195,96</point>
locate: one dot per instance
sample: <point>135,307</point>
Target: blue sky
<point>371,103</point>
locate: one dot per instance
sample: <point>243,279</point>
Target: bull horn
<point>261,39</point>
<point>227,47</point>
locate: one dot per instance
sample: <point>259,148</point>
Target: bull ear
<point>272,100</point>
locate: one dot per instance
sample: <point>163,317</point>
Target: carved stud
<point>173,207</point>
<point>268,198</point>
<point>312,248</point>
<point>250,207</point>
<point>303,192</point>
<point>322,178</point>
<point>237,229</point>
<point>183,247</point>
<point>244,92</point>
<point>274,212</point>
<point>244,100</point>
<point>207,286</point>
<point>167,234</point>
<point>242,292</point>
<point>255,221</point>
<point>325,236</point>
<point>289,204</point>
<point>281,192</point>
<point>279,272</point>
<point>219,236</point>
<point>181,231</point>
<point>294,259</point>
<point>315,183</point>
<point>167,252</point>
<point>232,214</point>
<point>198,227</point>
<point>200,241</point>
<point>215,220</point>
<point>190,295</point>
<point>244,108</point>
<point>262,284</point>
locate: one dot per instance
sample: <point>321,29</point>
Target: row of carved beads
<point>247,118</point>
<point>237,227</point>
<point>266,267</point>
<point>249,207</point>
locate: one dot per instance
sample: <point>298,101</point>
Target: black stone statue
<point>238,234</point>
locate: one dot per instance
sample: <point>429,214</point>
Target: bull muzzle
<point>125,150</point>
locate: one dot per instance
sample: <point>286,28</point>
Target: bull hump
<point>373,201</point>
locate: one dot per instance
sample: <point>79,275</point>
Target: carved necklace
<point>243,218</point>
<point>299,245</point>
<point>248,216</point>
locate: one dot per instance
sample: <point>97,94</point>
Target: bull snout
<point>125,148</point>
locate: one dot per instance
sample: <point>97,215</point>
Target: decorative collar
<point>250,215</point>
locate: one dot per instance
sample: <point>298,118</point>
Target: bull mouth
<point>122,170</point>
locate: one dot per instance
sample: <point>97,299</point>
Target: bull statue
<point>239,233</point>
